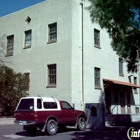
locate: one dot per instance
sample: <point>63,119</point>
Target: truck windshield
<point>26,104</point>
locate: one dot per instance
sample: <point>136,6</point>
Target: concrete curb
<point>4,121</point>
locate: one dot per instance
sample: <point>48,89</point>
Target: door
<point>68,112</point>
<point>122,102</point>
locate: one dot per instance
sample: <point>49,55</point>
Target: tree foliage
<point>12,87</point>
<point>121,18</point>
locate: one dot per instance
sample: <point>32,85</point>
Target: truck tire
<point>51,127</point>
<point>81,124</point>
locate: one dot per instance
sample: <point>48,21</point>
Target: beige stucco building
<point>68,57</point>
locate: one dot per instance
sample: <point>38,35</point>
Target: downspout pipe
<point>82,54</point>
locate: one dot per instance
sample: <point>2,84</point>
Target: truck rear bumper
<point>21,122</point>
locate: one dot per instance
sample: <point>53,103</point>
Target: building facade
<point>68,57</point>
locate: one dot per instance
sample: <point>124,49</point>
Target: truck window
<point>26,104</point>
<point>39,104</point>
<point>66,106</point>
<point>50,105</point>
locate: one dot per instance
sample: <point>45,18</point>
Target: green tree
<point>121,18</point>
<point>12,87</point>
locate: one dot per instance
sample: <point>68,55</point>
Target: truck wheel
<point>51,127</point>
<point>81,124</point>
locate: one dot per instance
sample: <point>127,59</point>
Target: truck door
<point>68,112</point>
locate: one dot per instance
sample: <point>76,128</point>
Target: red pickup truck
<point>47,114</point>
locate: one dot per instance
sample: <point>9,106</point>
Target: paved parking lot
<point>15,132</point>
<point>10,131</point>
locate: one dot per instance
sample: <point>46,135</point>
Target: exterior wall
<point>35,59</point>
<point>104,58</point>
<point>76,59</point>
<point>66,52</point>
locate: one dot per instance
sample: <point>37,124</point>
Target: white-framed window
<point>96,38</point>
<point>28,39</point>
<point>52,75</point>
<point>121,67</point>
<point>97,77</point>
<point>10,45</point>
<point>52,35</point>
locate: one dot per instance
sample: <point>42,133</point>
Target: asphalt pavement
<point>108,133</point>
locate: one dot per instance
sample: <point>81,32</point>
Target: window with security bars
<point>52,32</point>
<point>10,45</point>
<point>28,39</point>
<point>52,75</point>
<point>121,67</point>
<point>97,77</point>
<point>96,38</point>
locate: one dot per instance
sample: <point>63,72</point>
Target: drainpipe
<point>82,55</point>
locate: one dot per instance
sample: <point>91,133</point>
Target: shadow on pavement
<point>24,133</point>
<point>39,133</point>
<point>109,133</point>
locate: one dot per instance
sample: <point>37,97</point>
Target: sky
<point>10,6</point>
